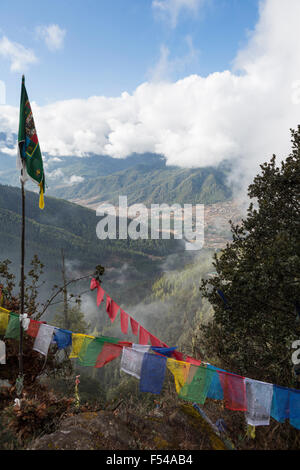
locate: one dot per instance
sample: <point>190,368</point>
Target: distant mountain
<point>144,179</point>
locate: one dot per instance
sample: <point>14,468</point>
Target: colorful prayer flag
<point>33,328</point>
<point>180,371</point>
<point>191,360</point>
<point>77,342</point>
<point>215,391</point>
<point>134,326</point>
<point>94,284</point>
<point>143,336</point>
<point>91,349</point>
<point>124,322</point>
<point>100,295</point>
<point>259,399</point>
<point>197,384</point>
<point>234,391</point>
<point>286,405</point>
<point>114,308</point>
<point>131,361</point>
<point>30,157</point>
<point>163,351</point>
<point>4,318</point>
<point>2,352</point>
<point>63,338</point>
<point>43,339</point>
<point>108,353</point>
<point>13,327</point>
<point>152,373</point>
<point>295,408</point>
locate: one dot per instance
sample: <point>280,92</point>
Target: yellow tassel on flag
<point>41,201</point>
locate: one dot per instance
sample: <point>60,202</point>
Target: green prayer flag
<point>13,327</point>
<point>91,349</point>
<point>197,384</point>
<point>30,157</point>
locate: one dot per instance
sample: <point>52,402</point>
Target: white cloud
<point>58,174</point>
<point>53,36</point>
<point>55,174</point>
<point>171,9</point>
<point>75,179</point>
<point>8,150</point>
<point>18,55</point>
<point>243,115</point>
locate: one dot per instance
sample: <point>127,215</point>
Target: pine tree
<point>255,294</point>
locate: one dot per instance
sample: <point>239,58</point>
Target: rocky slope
<point>178,428</point>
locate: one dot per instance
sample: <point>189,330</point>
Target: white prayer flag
<point>131,361</point>
<point>141,347</point>
<point>259,400</point>
<point>2,353</point>
<point>43,339</point>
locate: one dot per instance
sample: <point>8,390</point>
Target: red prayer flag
<point>100,295</point>
<point>33,328</point>
<point>94,284</point>
<point>108,303</point>
<point>143,336</point>
<point>109,352</point>
<point>114,308</point>
<point>178,356</point>
<point>125,344</point>
<point>234,391</point>
<point>134,326</point>
<point>191,360</point>
<point>155,341</point>
<point>124,322</point>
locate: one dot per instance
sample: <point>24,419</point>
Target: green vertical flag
<point>197,384</point>
<point>30,157</point>
<point>91,349</point>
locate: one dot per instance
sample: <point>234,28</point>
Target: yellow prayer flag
<point>77,342</point>
<point>4,310</point>
<point>4,318</point>
<point>180,370</point>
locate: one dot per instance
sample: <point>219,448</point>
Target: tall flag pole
<point>30,163</point>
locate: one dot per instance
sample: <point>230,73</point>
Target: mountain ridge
<point>143,178</point>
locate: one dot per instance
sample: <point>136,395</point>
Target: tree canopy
<point>255,293</point>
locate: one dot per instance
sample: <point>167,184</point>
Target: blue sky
<point>110,46</point>
<point>197,81</point>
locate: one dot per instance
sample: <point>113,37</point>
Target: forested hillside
<point>67,226</point>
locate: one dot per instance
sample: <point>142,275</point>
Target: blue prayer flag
<point>280,409</point>
<point>215,390</point>
<point>63,338</point>
<point>286,405</point>
<point>152,373</point>
<point>164,351</point>
<point>295,408</point>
